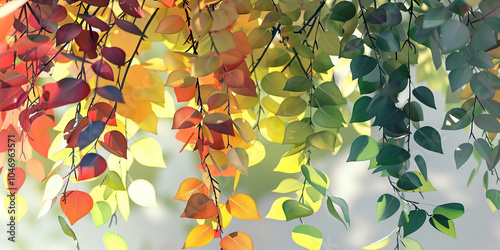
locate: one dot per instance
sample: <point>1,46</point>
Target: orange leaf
<point>243,206</point>
<point>35,168</point>
<point>40,127</point>
<point>76,204</point>
<point>199,236</point>
<point>199,206</point>
<point>170,25</point>
<point>42,145</point>
<point>237,241</point>
<point>186,117</point>
<point>189,187</point>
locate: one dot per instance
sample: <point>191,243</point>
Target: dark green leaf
<point>297,132</point>
<point>443,224</point>
<point>328,116</point>
<point>298,84</point>
<point>388,116</point>
<point>455,119</point>
<point>483,38</point>
<point>343,11</point>
<point>435,17</point>
<point>333,211</point>
<point>390,154</point>
<point>421,166</point>
<point>377,16</point>
<point>492,106</point>
<point>294,209</point>
<point>343,206</point>
<point>485,180</point>
<point>387,205</point>
<point>481,59</point>
<point>363,148</point>
<point>403,218</point>
<point>428,138</point>
<point>316,178</point>
<point>460,76</point>
<point>487,122</point>
<point>353,45</point>
<point>454,35</point>
<point>388,41</point>
<point>462,153</point>
<point>484,84</point>
<point>360,110</point>
<point>416,220</point>
<point>413,111</point>
<point>409,181</point>
<point>493,198</point>
<point>362,65</point>
<point>450,210</point>
<point>393,14</point>
<point>425,96</point>
<point>483,149</point>
<point>455,60</point>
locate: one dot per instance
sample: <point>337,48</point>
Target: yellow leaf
<point>199,236</point>
<point>273,129</point>
<point>114,241</point>
<point>138,77</point>
<point>226,217</point>
<point>168,108</point>
<point>380,243</point>
<point>467,92</point>
<point>307,236</point>
<point>104,193</point>
<point>150,124</point>
<point>123,204</point>
<point>276,211</point>
<point>256,153</point>
<point>142,193</point>
<point>243,206</point>
<point>205,65</point>
<point>15,206</point>
<point>147,151</point>
<point>290,164</point>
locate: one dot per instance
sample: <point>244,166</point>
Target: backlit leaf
<point>237,241</point>
<point>147,151</point>
<point>76,204</point>
<point>387,205</point>
<point>316,178</point>
<point>142,193</point>
<point>91,165</point>
<point>114,241</point>
<point>238,158</point>
<point>493,199</point>
<point>101,212</point>
<point>363,148</point>
<point>242,206</point>
<point>170,25</point>
<point>307,236</point>
<point>450,210</point>
<point>199,236</point>
<point>199,206</point>
<point>443,224</point>
<point>189,187</point>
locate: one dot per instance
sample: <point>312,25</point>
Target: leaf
<point>111,93</point>
<point>114,55</point>
<point>307,236</point>
<point>324,140</point>
<point>298,84</point>
<point>17,203</point>
<point>361,65</point>
<point>388,41</point>
<point>379,244</point>
<point>416,220</point>
<point>65,91</point>
<point>199,236</point>
<point>237,241</point>
<point>89,134</point>
<point>238,158</point>
<point>463,153</point>
<point>460,76</point>
<point>53,186</point>
<point>292,106</point>
<point>343,11</point>
<point>35,168</point>
<point>147,151</point>
<point>142,193</point>
<point>333,211</point>
<point>409,181</point>
<point>242,206</point>
<point>328,116</point>
<point>387,205</point>
<point>171,24</point>
<point>76,204</point>
<point>493,199</point>
<point>390,154</point>
<point>455,119</point>
<point>484,150</point>
<point>454,35</point>
<point>245,130</point>
<point>297,132</point>
<point>435,17</point>
<point>276,211</point>
<point>132,7</point>
<point>114,181</point>
<point>186,117</point>
<point>104,70</point>
<point>422,166</point>
<point>67,32</point>
<point>294,209</point>
<point>14,178</point>
<point>363,148</point>
<point>115,143</point>
<point>288,185</point>
<point>328,93</point>
<point>67,230</point>
<point>411,244</point>
<point>450,210</point>
<point>101,212</point>
<point>487,122</point>
<point>484,84</point>
<point>199,206</point>
<point>114,241</point>
<point>428,138</point>
<point>205,65</point>
<point>128,26</point>
<point>443,224</point>
<point>328,42</point>
<point>189,187</point>
<point>316,178</point>
<point>360,110</point>
<point>219,122</point>
<point>425,96</point>
<point>92,165</point>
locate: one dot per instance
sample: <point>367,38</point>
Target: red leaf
<point>101,111</point>
<point>11,78</point>
<point>186,117</point>
<point>6,58</point>
<point>128,27</point>
<point>199,206</point>
<point>111,93</point>
<point>235,79</point>
<point>98,3</point>
<point>114,55</point>
<point>29,42</point>
<point>219,122</point>
<point>72,138</point>
<point>58,14</point>
<point>132,8</point>
<point>15,179</point>
<point>97,23</point>
<point>42,145</point>
<point>91,165</point>
<point>115,143</point>
<point>87,41</point>
<point>102,69</point>
<point>65,91</point>
<point>76,204</point>
<point>67,33</point>
<point>185,94</point>
<point>9,98</point>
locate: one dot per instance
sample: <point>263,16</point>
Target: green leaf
<point>114,181</point>
<point>68,231</point>
<point>450,210</point>
<point>484,84</point>
<point>493,199</point>
<point>428,138</point>
<point>298,84</point>
<point>483,38</point>
<point>391,154</point>
<point>316,178</point>
<point>343,206</point>
<point>292,106</point>
<point>416,220</point>
<point>435,17</point>
<point>101,212</point>
<point>114,241</point>
<point>288,185</point>
<point>343,11</point>
<point>333,211</point>
<point>411,244</point>
<point>471,177</point>
<point>328,93</point>
<point>363,148</point>
<point>388,41</point>
<point>443,224</point>
<point>273,84</point>
<point>304,50</point>
<point>328,42</point>
<point>360,110</point>
<point>425,96</point>
<point>393,14</point>
<point>456,59</point>
<point>426,184</point>
<point>409,181</point>
<point>456,119</point>
<point>421,166</point>
<point>297,132</point>
<point>328,116</point>
<point>460,76</point>
<point>403,218</point>
<point>413,111</point>
<point>295,209</point>
<point>276,57</point>
<point>361,65</point>
<point>352,46</point>
<point>454,35</point>
<point>307,236</point>
<point>463,153</point>
<point>387,205</point>
<point>487,122</point>
<point>324,140</point>
<point>483,149</point>
<point>485,180</point>
<point>322,63</point>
